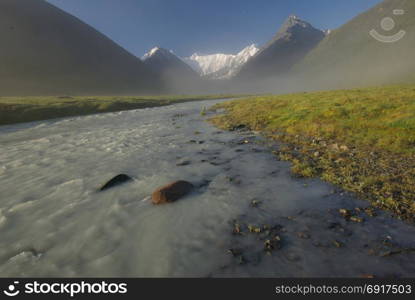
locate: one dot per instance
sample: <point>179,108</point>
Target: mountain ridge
<point>220,65</point>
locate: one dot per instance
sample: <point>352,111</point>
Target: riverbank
<point>362,140</point>
<point>28,109</point>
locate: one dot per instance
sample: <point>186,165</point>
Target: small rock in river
<point>254,229</point>
<point>303,235</point>
<point>171,192</point>
<point>345,212</point>
<point>370,211</point>
<point>184,163</point>
<point>235,252</point>
<point>243,142</point>
<point>237,229</point>
<point>255,203</point>
<point>334,225</point>
<point>117,180</point>
<point>356,219</point>
<point>273,244</point>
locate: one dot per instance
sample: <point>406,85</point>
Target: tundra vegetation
<point>361,139</point>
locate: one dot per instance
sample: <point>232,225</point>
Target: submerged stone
<point>183,163</point>
<point>116,181</point>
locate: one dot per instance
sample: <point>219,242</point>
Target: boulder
<point>115,181</point>
<point>171,192</point>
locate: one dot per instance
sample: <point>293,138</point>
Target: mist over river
<point>53,222</point>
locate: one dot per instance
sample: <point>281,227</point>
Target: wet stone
<point>116,181</point>
<point>255,203</point>
<point>171,192</point>
<point>183,163</point>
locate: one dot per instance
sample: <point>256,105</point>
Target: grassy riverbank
<point>361,139</point>
<point>26,109</point>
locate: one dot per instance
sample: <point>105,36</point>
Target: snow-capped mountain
<point>220,66</point>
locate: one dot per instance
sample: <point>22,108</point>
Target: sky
<point>204,26</point>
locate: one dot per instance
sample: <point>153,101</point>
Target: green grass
<point>26,109</point>
<point>361,139</point>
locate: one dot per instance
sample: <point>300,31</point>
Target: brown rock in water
<point>171,192</point>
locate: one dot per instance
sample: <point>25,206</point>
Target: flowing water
<point>53,222</point>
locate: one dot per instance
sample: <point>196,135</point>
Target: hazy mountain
<point>47,51</point>
<point>167,63</point>
<point>291,43</point>
<point>351,56</point>
<point>221,66</point>
<point>177,75</point>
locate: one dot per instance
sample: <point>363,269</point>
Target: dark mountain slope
<point>165,62</point>
<point>292,42</point>
<point>177,75</point>
<point>46,51</point>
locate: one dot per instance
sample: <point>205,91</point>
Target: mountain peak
<point>249,50</point>
<point>294,24</point>
<point>294,20</point>
<point>292,42</point>
<point>156,51</point>
<point>293,17</point>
